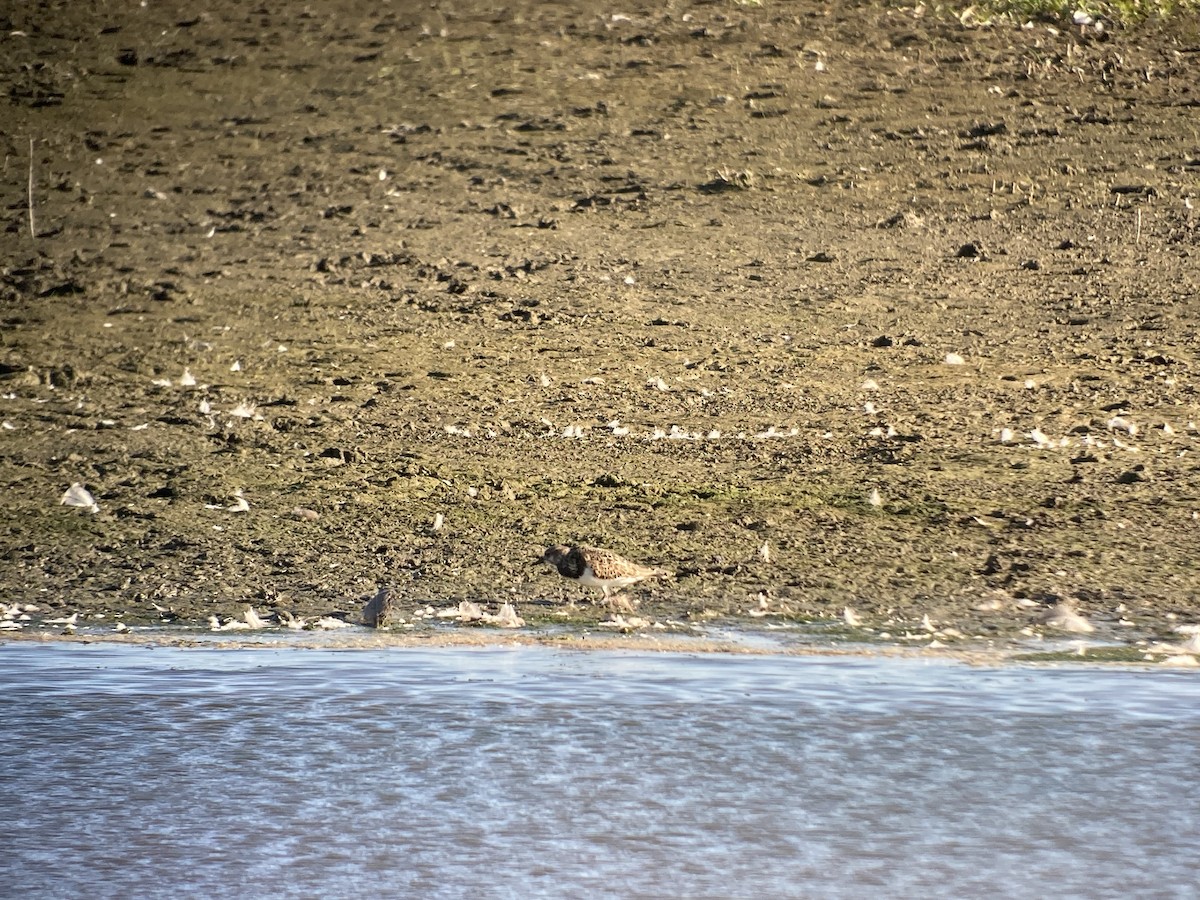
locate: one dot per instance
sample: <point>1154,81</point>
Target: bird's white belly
<point>589,579</point>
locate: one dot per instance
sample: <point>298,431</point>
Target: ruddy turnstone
<point>593,567</point>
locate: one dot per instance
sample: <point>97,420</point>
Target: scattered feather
<point>329,623</point>
<point>240,504</point>
<point>954,359</point>
<point>1039,438</point>
<point>1181,659</point>
<point>439,520</point>
<point>236,367</point>
<point>992,604</point>
<point>764,552</point>
<point>308,515</point>
<point>1006,435</point>
<point>466,611</point>
<point>1064,617</point>
<point>253,619</point>
<point>875,498</point>
<point>78,495</point>
<point>244,410</point>
<point>772,432</point>
<point>657,384</point>
<point>1120,423</point>
<point>851,618</point>
<point>507,617</point>
<point>469,612</point>
<point>187,379</point>
<point>215,624</point>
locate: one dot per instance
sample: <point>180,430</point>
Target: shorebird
<point>596,568</point>
<point>380,609</point>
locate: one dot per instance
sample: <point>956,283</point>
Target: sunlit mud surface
<point>815,304</point>
<point>152,772</point>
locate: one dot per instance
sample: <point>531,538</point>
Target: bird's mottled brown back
<point>606,564</point>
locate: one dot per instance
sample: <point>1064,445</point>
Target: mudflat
<point>815,305</point>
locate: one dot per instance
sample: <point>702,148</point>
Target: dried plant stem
<point>32,226</point>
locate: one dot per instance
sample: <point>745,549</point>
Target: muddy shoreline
<point>325,301</point>
<point>734,638</point>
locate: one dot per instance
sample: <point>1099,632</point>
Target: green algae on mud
<point>466,285</point>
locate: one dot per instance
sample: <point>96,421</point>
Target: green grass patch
<point>1091,655</point>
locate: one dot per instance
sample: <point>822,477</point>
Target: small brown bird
<point>379,610</point>
<point>593,567</point>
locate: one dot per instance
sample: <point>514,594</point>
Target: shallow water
<point>531,772</point>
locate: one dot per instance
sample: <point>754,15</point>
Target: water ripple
<point>526,772</point>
